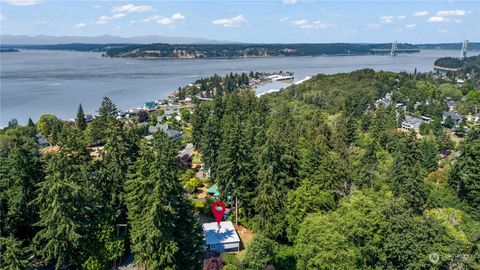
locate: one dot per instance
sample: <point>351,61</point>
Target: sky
<point>264,21</point>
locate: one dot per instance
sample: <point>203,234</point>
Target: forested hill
<point>469,64</point>
<point>323,173</point>
<point>248,50</point>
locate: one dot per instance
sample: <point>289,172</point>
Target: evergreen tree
<point>465,174</point>
<point>13,255</point>
<point>165,233</point>
<point>30,123</point>
<point>80,120</point>
<point>68,203</point>
<point>114,166</point>
<point>271,191</point>
<point>20,172</point>
<point>406,178</point>
<point>107,108</point>
<point>368,166</point>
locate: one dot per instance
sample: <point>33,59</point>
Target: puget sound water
<point>34,82</point>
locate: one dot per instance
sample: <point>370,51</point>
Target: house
<point>451,105</point>
<point>387,100</point>
<point>411,122</point>
<point>221,239</point>
<point>41,140</point>
<point>172,133</point>
<point>149,106</point>
<point>88,118</point>
<point>455,116</point>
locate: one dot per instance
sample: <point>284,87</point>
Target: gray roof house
<point>411,122</point>
<point>455,116</point>
<point>223,239</point>
<point>451,104</point>
<point>172,133</point>
<point>42,140</point>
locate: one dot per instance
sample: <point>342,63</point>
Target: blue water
<point>37,82</point>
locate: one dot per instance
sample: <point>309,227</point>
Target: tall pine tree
<point>80,121</point>
<point>165,233</point>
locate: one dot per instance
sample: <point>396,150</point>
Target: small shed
<point>213,190</point>
<point>223,239</point>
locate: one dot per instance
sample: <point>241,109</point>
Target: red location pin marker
<point>218,209</point>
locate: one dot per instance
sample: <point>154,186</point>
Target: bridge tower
<point>463,53</point>
<point>393,51</point>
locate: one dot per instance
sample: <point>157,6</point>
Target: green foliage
<point>405,177</point>
<point>465,174</point>
<point>260,253</point>
<point>14,255</point>
<point>50,126</point>
<point>67,204</point>
<point>20,172</point>
<point>164,229</point>
<point>80,121</point>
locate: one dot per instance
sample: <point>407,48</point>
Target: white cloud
<point>22,2</point>
<point>132,8</point>
<point>2,18</point>
<point>228,22</point>
<point>402,17</point>
<point>373,25</point>
<point>410,25</point>
<point>457,12</point>
<point>105,19</point>
<point>458,21</point>
<point>80,25</point>
<point>164,20</point>
<point>437,19</point>
<point>283,19</point>
<point>290,2</point>
<point>304,24</point>
<point>442,31</point>
<point>97,6</point>
<point>420,13</point>
<point>178,16</point>
<point>300,22</point>
<point>387,19</point>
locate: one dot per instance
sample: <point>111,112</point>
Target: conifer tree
<point>13,255</point>
<point>406,178</point>
<point>465,174</point>
<point>368,166</point>
<point>20,172</point>
<point>107,108</point>
<point>68,202</point>
<point>114,166</point>
<point>80,120</point>
<point>271,192</point>
<point>165,233</point>
<point>30,123</point>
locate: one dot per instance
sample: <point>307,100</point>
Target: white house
<point>411,122</point>
<point>223,239</point>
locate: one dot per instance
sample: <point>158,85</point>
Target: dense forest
<point>323,175</point>
<point>467,65</point>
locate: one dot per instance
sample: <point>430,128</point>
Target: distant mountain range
<point>105,39</point>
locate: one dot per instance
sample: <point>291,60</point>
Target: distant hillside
<point>105,39</point>
<point>84,47</point>
<point>448,46</point>
<point>247,50</point>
